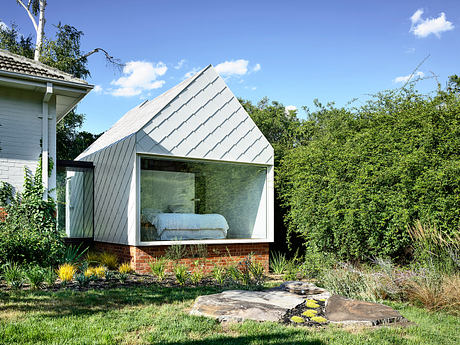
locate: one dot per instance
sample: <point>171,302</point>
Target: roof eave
<point>78,90</point>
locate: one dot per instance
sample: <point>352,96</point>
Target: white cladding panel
<point>20,134</point>
<point>205,121</point>
<point>114,197</point>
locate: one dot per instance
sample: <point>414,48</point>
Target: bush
<point>35,276</point>
<point>108,260</point>
<point>197,273</point>
<point>278,262</point>
<point>95,272</point>
<point>361,176</point>
<point>158,267</point>
<point>181,273</point>
<point>435,292</point>
<point>72,254</point>
<point>29,234</point>
<point>13,274</point>
<point>219,273</point>
<point>66,272</point>
<point>125,268</point>
<point>49,276</point>
<point>92,258</point>
<point>435,249</point>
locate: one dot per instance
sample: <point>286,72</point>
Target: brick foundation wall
<point>217,254</point>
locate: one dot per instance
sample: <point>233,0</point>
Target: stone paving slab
<point>240,305</point>
<point>273,304</point>
<point>347,311</point>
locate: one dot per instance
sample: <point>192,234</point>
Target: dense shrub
<point>362,176</point>
<point>28,233</point>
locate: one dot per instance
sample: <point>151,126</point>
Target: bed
<point>185,226</point>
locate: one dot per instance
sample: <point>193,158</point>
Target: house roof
<point>10,62</point>
<point>199,118</point>
<point>137,117</point>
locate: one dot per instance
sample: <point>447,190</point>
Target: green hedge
<point>362,176</point>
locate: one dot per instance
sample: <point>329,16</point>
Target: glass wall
<point>75,200</point>
<point>196,200</point>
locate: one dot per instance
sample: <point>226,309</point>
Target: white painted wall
<point>20,134</point>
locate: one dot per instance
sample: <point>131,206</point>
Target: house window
<point>74,191</point>
<point>191,200</point>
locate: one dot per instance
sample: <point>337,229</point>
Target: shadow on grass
<point>68,302</point>
<point>272,338</point>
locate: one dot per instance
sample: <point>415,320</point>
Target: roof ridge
<point>185,83</point>
<point>38,64</point>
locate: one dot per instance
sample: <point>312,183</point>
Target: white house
<point>33,98</point>
<point>188,166</point>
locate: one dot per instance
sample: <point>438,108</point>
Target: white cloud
<point>3,26</point>
<point>140,76</point>
<point>406,78</point>
<point>97,89</point>
<point>425,27</point>
<point>417,16</point>
<point>193,71</point>
<point>234,67</point>
<point>180,64</point>
<point>256,68</point>
<point>290,108</point>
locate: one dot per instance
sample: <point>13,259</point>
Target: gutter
<point>32,81</point>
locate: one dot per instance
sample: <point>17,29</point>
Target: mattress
<point>186,226</point>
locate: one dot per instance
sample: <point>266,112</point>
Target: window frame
<point>269,236</point>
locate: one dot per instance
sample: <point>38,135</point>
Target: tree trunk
<point>40,30</point>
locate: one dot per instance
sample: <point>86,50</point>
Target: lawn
<point>158,315</point>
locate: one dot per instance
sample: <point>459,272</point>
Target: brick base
<point>217,254</point>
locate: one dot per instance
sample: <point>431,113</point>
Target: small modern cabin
<point>189,167</point>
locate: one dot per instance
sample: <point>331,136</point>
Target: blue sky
<point>289,51</point>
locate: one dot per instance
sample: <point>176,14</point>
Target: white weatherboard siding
<point>114,197</point>
<point>21,132</point>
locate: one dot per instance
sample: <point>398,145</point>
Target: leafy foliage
<point>6,193</point>
<point>11,40</point>
<point>362,176</point>
<point>158,267</point>
<point>73,254</point>
<point>13,274</point>
<point>35,276</point>
<point>29,234</point>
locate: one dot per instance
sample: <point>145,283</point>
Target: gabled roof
<point>137,117</point>
<point>199,118</point>
<point>10,62</point>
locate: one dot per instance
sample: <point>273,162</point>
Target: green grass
<point>156,315</point>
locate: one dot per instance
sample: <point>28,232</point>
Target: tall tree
<point>35,9</point>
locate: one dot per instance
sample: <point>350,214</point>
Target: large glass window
<point>190,200</point>
<point>74,193</point>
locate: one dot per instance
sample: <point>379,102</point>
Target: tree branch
<point>108,57</point>
<point>28,12</point>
